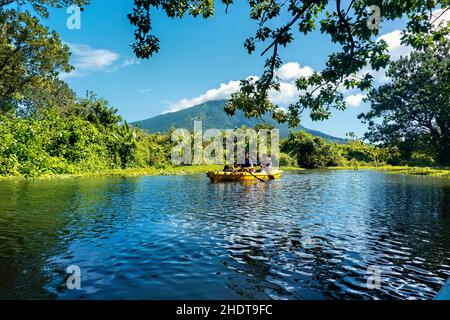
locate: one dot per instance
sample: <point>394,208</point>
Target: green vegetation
<point>131,172</point>
<point>314,152</point>
<point>31,58</point>
<point>89,139</point>
<point>418,171</point>
<point>412,111</point>
<point>94,141</point>
<point>46,130</point>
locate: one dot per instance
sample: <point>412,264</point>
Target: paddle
<point>262,180</point>
<point>271,177</point>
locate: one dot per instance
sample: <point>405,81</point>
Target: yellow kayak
<point>244,176</point>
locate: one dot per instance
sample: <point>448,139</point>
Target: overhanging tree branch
<point>288,26</point>
<point>344,22</point>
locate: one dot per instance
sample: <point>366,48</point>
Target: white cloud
<point>395,47</point>
<point>288,93</point>
<point>354,100</point>
<point>87,58</point>
<point>123,64</point>
<point>224,91</point>
<point>292,70</point>
<point>131,62</point>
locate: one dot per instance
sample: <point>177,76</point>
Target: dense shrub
<point>421,160</point>
<point>315,152</point>
<point>310,151</point>
<point>286,160</point>
<point>51,144</point>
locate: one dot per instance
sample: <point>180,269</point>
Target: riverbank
<point>130,172</point>
<point>419,171</point>
<point>184,170</point>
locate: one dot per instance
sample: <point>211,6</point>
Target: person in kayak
<point>228,168</point>
<point>266,164</point>
<point>248,164</point>
<point>232,168</point>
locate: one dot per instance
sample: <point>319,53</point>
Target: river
<point>310,235</point>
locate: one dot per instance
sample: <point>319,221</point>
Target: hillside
<point>213,116</point>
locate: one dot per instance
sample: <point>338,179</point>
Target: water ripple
<point>311,235</point>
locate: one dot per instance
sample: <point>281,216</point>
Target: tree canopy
<point>345,23</point>
<point>31,58</point>
<point>41,6</point>
<point>348,24</point>
<point>412,111</point>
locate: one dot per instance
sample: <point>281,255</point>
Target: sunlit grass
<point>132,172</point>
<point>291,168</point>
<point>184,170</point>
<point>422,171</point>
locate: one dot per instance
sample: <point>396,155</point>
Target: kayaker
<point>248,164</point>
<point>266,164</point>
<point>228,168</point>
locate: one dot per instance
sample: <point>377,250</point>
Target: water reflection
<point>309,236</point>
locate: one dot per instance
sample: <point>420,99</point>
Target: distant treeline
<point>92,138</point>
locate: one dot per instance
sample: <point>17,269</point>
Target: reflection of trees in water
<point>39,221</point>
<point>444,207</point>
<point>102,206</point>
<point>30,224</point>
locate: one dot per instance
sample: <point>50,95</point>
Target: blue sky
<point>199,60</point>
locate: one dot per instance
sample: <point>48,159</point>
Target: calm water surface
<point>308,236</point>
